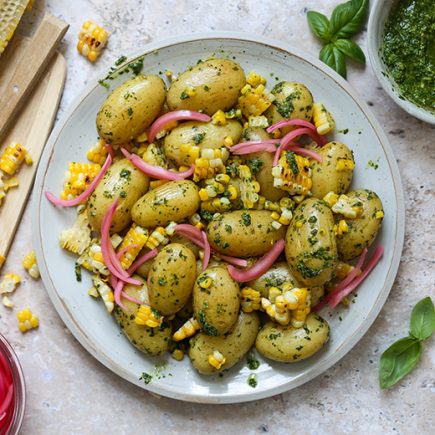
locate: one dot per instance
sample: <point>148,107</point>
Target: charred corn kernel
<point>272,206</point>
<point>258,122</point>
<point>379,214</point>
<point>147,316</point>
<point>203,194</point>
<point>187,330</point>
<point>27,320</point>
<point>11,12</point>
<point>93,292</point>
<point>233,113</point>
<point>219,118</point>
<point>232,193</point>
<point>138,236</point>
<point>275,215</point>
<point>348,208</point>
<point>78,177</point>
<point>342,227</point>
<point>277,134</point>
<point>251,299</point>
<point>13,157</point>
<point>343,269</point>
<point>7,302</point>
<point>330,198</point>
<point>156,183</point>
<point>228,141</point>
<point>292,174</point>
<point>205,281</point>
<point>274,292</point>
<point>9,283</point>
<point>30,265</point>
<point>345,165</point>
<point>223,178</point>
<point>93,260</point>
<point>216,359</point>
<point>77,238</point>
<point>322,119</point>
<point>254,79</point>
<point>177,354</point>
<point>92,39</point>
<point>105,293</point>
<point>98,153</point>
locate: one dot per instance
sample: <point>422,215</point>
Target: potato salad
<point>216,215</point>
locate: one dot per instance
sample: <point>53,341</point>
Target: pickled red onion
<point>156,171</point>
<point>84,195</point>
<point>261,266</point>
<point>304,152</point>
<point>126,249</point>
<point>248,149</point>
<point>233,260</point>
<point>141,260</point>
<point>176,115</point>
<point>290,122</point>
<point>207,251</point>
<point>353,274</point>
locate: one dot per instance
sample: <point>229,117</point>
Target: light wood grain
<point>32,63</point>
<point>31,129</point>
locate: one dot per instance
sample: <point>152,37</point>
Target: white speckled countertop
<point>69,392</point>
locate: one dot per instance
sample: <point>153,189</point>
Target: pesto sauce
<point>408,50</point>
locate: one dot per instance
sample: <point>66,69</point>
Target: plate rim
<point>321,366</point>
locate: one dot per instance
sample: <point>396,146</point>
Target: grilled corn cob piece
<point>136,235</point>
<point>92,259</point>
<point>105,292</point>
<point>9,283</point>
<point>78,177</point>
<point>98,153</point>
<point>147,316</point>
<point>92,39</point>
<point>210,163</point>
<point>11,12</point>
<point>293,174</point>
<point>13,157</point>
<point>322,119</point>
<point>255,99</point>
<point>157,237</point>
<point>251,299</point>
<point>187,330</point>
<point>31,265</point>
<point>77,238</point>
<point>249,187</point>
<point>27,320</point>
<point>216,359</point>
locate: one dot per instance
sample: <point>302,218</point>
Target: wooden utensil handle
<point>32,64</point>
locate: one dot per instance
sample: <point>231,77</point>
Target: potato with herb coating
<point>233,345</point>
<point>130,109</point>
<point>216,301</point>
<point>171,278</point>
<point>208,86</point>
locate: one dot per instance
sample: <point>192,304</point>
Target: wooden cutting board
<point>31,129</point>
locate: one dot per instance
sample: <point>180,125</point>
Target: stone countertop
<point>70,392</point>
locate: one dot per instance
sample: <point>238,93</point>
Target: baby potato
<point>130,109</point>
<point>152,341</point>
<point>289,344</point>
<point>123,181</point>
<point>292,100</point>
<point>204,135</point>
<point>172,201</point>
<point>335,171</point>
<point>207,87</point>
<point>364,229</point>
<point>216,304</point>
<point>233,345</point>
<point>171,278</point>
<point>243,233</point>
<point>310,246</point>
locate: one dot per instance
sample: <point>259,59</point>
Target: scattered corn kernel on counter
<point>216,216</point>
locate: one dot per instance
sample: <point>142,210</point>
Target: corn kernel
<point>379,214</point>
<point>27,320</point>
<point>177,354</point>
<point>216,359</point>
<point>147,316</point>
<point>187,330</point>
<point>344,165</point>
<point>30,265</point>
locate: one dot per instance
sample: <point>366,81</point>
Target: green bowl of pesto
<point>401,45</point>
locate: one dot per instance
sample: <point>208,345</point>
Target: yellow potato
<point>327,176</point>
<point>173,201</point>
<point>243,233</point>
<point>171,278</point>
<point>233,345</point>
<point>289,344</point>
<point>152,341</point>
<point>216,307</point>
<point>204,135</point>
<point>207,87</point>
<point>310,246</point>
<point>123,181</point>
<point>130,109</point>
<point>364,229</point>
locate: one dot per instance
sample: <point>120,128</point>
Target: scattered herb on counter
<point>403,355</point>
<point>346,20</point>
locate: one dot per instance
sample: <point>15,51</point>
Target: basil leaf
<point>398,360</point>
<point>340,65</point>
<point>423,319</point>
<point>319,25</point>
<point>350,49</point>
<point>348,18</point>
<point>333,57</point>
<point>326,55</point>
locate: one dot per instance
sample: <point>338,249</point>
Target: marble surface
<point>69,392</point>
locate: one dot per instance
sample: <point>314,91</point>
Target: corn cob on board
<point>31,129</point>
<point>11,12</point>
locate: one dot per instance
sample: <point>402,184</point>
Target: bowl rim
<point>168,391</point>
<point>387,83</point>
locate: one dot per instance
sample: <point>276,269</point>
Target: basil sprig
<point>403,355</point>
<point>347,19</point>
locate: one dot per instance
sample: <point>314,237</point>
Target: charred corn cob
<point>98,153</point>
<point>249,187</point>
<point>156,238</point>
<point>255,99</point>
<point>11,12</point>
<point>78,177</point>
<point>92,39</point>
<point>147,316</point>
<point>9,283</point>
<point>105,292</point>
<point>210,163</point>
<point>187,330</point>
<point>293,174</point>
<point>216,359</point>
<point>251,299</point>
<point>30,265</point>
<point>322,119</point>
<point>77,238</point>
<point>13,157</point>
<point>136,235</point>
<point>92,259</point>
<point>27,320</point>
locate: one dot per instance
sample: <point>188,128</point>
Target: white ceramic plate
<point>87,318</point>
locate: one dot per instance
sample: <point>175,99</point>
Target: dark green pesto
<point>408,50</point>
